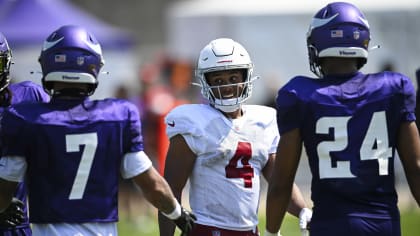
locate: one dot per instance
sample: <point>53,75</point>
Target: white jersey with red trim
<point>231,153</point>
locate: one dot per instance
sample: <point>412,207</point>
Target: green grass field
<point>410,223</point>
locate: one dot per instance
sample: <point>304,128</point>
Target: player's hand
<point>13,215</point>
<point>305,216</point>
<point>185,222</point>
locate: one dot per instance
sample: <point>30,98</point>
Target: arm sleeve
<point>13,168</point>
<point>134,164</point>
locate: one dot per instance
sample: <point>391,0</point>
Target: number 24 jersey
<point>349,127</point>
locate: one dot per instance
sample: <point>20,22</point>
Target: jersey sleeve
<point>135,161</point>
<point>409,107</point>
<point>274,132</point>
<point>184,120</point>
<point>134,137</point>
<point>288,109</point>
<point>13,168</point>
<point>134,164</point>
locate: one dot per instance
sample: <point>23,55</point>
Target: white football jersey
<point>231,153</point>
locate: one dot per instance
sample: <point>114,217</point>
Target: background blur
<point>150,47</point>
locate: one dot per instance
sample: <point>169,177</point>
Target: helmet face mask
<point>338,30</point>
<point>71,55</point>
<point>5,62</point>
<point>222,55</point>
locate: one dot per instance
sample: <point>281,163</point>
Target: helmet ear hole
<point>361,62</point>
<point>47,86</point>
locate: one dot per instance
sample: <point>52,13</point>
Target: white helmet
<point>219,55</point>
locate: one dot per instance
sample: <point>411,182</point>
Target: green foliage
<point>410,224</point>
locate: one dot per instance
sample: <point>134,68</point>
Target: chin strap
<point>228,105</point>
<point>228,109</point>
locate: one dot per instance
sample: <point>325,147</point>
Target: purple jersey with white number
<point>24,92</point>
<point>74,150</point>
<point>349,128</point>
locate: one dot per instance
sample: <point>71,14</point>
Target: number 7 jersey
<point>230,155</point>
<point>349,128</point>
<point>74,149</point>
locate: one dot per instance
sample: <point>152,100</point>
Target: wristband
<point>176,213</point>
<point>267,233</point>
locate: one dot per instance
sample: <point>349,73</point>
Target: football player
<point>351,124</point>
<point>224,147</point>
<point>73,148</point>
<point>14,220</point>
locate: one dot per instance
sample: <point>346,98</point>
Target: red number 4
<point>246,172</point>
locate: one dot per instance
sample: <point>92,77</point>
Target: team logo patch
<point>80,61</point>
<point>336,33</point>
<point>215,233</point>
<point>60,58</point>
<point>356,35</point>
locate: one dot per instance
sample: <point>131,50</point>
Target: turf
<point>410,224</point>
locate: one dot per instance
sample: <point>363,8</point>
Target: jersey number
<point>375,145</point>
<point>243,154</point>
<point>73,142</point>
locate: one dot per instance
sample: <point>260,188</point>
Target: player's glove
<point>13,215</point>
<point>185,222</point>
<point>305,216</point>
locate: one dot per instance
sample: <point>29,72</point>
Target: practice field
<point>148,227</point>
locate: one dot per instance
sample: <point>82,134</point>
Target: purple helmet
<point>71,55</point>
<point>5,61</point>
<point>338,30</point>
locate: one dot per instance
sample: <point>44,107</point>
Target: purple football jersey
<point>74,150</point>
<point>24,92</point>
<point>349,128</point>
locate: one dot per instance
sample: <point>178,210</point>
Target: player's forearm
<point>160,196</point>
<point>162,200</point>
<point>413,180</point>
<point>409,153</point>
<point>277,204</point>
